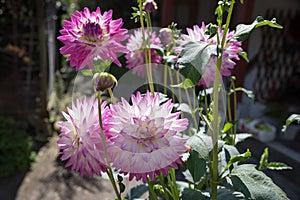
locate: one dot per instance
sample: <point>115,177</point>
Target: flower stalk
<point>109,169</point>
<point>215,122</point>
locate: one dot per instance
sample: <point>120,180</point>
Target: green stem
<point>165,78</point>
<point>109,171</point>
<point>171,83</point>
<point>173,186</point>
<point>151,190</point>
<point>215,133</point>
<point>162,182</point>
<point>234,114</point>
<point>148,53</point>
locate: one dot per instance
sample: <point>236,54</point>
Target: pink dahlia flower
<point>145,137</point>
<point>230,53</point>
<point>80,139</point>
<point>91,35</point>
<point>135,58</point>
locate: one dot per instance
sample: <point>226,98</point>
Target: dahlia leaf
<point>229,194</point>
<point>249,93</point>
<point>227,127</point>
<point>255,184</point>
<point>191,74</point>
<point>291,119</point>
<point>243,31</point>
<point>197,54</point>
<point>265,164</point>
<point>189,194</point>
<point>244,55</point>
<point>187,83</point>
<point>278,166</point>
<point>237,158</point>
<point>136,192</point>
<point>241,137</point>
<point>196,165</point>
<point>202,144</point>
<point>224,155</point>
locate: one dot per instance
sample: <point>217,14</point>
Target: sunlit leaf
<point>243,31</point>
<point>237,158</point>
<point>244,55</point>
<point>196,166</point>
<point>291,119</point>
<point>255,184</point>
<point>227,127</point>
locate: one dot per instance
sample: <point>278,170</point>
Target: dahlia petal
<point>80,139</point>
<point>149,145</point>
<point>85,41</point>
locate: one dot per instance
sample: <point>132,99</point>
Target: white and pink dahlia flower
<point>80,140</point>
<point>230,52</point>
<point>145,137</point>
<point>92,35</point>
<point>135,58</point>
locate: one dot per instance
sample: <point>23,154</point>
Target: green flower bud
<point>103,81</point>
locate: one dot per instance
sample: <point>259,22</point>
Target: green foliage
<point>255,184</point>
<point>237,158</point>
<point>202,144</point>
<point>265,164</point>
<point>136,14</point>
<point>136,192</point>
<point>194,57</point>
<point>189,194</point>
<point>249,93</point>
<point>229,194</point>
<point>291,119</point>
<point>15,148</point>
<point>243,31</point>
<point>196,166</point>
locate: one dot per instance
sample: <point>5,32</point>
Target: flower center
<point>92,32</point>
<point>146,128</point>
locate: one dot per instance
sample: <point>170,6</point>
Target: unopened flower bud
<point>103,81</point>
<point>150,6</point>
<point>165,35</point>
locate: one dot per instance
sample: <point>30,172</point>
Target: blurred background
<point>36,85</point>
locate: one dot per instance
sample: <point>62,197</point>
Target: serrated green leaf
<point>243,31</point>
<point>196,165</point>
<point>202,144</point>
<point>264,163</point>
<point>188,194</point>
<point>255,184</point>
<point>291,119</point>
<point>237,158</point>
<point>196,55</point>
<point>229,194</point>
